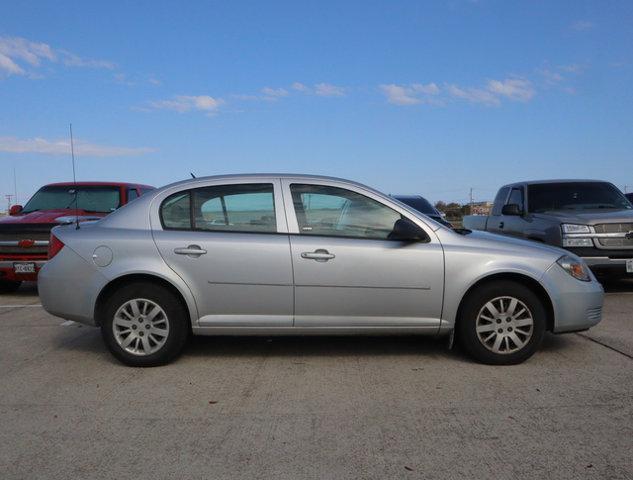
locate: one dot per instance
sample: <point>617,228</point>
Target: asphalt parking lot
<point>319,408</point>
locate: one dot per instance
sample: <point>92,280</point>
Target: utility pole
<point>626,187</point>
<point>8,197</point>
<point>15,186</point>
<point>471,196</point>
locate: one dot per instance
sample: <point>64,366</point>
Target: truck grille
<point>615,228</point>
<point>10,235</point>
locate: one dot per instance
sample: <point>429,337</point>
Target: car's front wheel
<point>144,325</point>
<point>501,323</point>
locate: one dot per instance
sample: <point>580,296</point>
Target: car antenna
<point>72,154</point>
<point>192,175</point>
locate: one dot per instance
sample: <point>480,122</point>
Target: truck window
<point>576,196</point>
<point>500,200</point>
<point>132,194</point>
<point>516,198</point>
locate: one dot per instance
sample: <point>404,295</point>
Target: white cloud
<point>329,90</point>
<point>300,87</point>
<point>71,60</point>
<point>516,89</point>
<point>513,88</point>
<point>473,95</point>
<point>62,147</point>
<point>410,94</point>
<point>19,56</point>
<point>187,103</point>
<point>582,25</point>
<point>274,93</point>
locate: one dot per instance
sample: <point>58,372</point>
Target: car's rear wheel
<point>502,323</point>
<point>144,325</point>
<point>7,286</point>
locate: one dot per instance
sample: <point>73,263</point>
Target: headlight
<point>572,228</point>
<point>575,267</point>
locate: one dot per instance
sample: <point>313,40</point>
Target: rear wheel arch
<point>120,282</point>
<point>524,280</point>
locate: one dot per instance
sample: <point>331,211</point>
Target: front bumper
<point>577,305</point>
<point>604,261</point>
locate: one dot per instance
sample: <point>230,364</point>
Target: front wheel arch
<point>529,282</point>
<point>120,282</point>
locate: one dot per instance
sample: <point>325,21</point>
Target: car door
<point>346,270</point>
<point>229,243</point>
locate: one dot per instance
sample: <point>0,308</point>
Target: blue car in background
<point>422,205</point>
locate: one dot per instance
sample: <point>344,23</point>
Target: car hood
<point>486,240</point>
<point>50,216</point>
<point>588,217</point>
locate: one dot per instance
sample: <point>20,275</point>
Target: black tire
<point>7,286</point>
<point>176,316</point>
<point>466,329</point>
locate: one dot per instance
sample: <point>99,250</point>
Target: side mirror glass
<point>511,209</point>
<point>407,231</point>
<point>15,209</point>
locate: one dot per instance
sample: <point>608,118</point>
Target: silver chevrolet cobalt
<point>292,254</point>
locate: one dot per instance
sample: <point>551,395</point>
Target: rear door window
<point>226,208</point>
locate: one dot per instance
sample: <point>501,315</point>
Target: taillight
<point>54,246</point>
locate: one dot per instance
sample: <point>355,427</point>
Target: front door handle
<point>501,225</point>
<point>320,255</point>
<point>192,251</point>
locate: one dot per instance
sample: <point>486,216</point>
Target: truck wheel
<point>501,323</point>
<point>144,325</point>
<point>7,286</point>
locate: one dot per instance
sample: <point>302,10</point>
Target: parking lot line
<point>67,323</point>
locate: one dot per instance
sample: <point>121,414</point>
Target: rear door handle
<point>192,251</point>
<point>320,255</point>
<point>501,225</point>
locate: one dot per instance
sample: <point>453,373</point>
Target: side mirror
<point>15,209</point>
<point>512,209</point>
<point>407,231</point>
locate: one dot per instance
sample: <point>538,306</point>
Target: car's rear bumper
<point>67,287</point>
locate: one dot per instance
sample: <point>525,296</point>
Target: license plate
<point>24,267</point>
<point>629,265</point>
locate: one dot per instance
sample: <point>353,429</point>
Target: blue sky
<point>407,96</point>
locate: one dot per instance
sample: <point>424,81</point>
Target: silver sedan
<point>292,254</point>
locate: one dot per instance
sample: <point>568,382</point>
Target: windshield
<point>100,199</point>
<point>575,196</point>
<point>419,203</point>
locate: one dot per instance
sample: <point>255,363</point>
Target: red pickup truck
<point>24,234</point>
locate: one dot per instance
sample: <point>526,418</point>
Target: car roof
<point>88,184</point>
<point>268,176</point>
<point>545,182</point>
<point>408,196</point>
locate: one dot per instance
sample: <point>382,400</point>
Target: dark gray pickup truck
<point>590,218</point>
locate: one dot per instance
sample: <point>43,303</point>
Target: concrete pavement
<point>317,408</point>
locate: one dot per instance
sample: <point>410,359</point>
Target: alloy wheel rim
<point>504,325</point>
<point>140,327</point>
